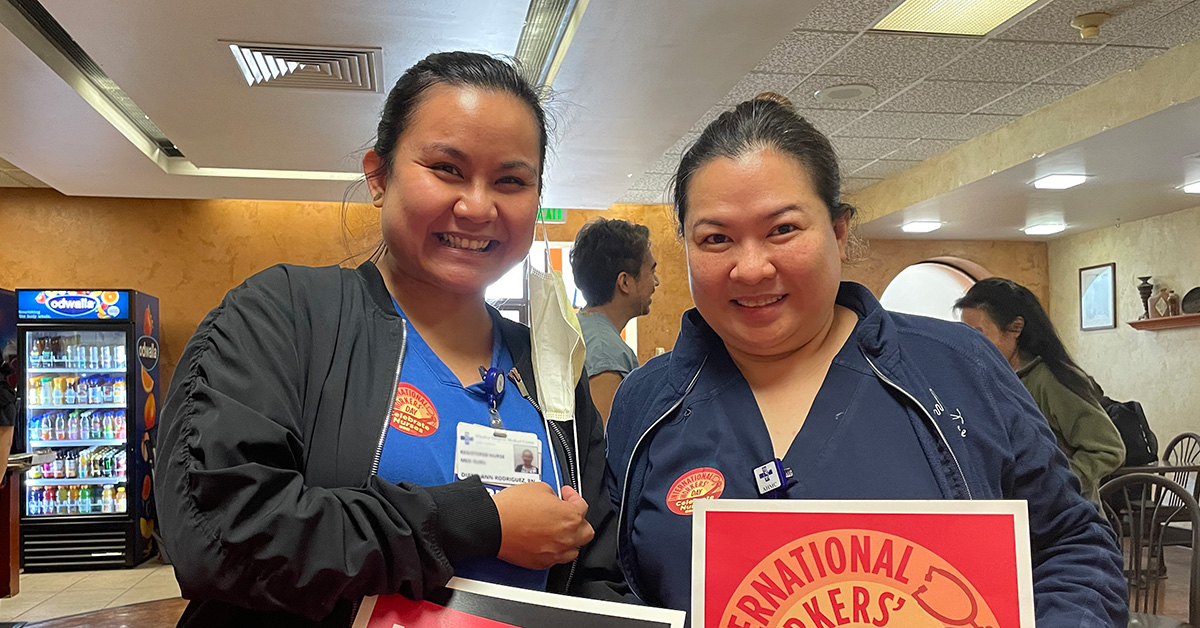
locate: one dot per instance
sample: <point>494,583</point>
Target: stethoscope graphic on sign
<point>969,620</point>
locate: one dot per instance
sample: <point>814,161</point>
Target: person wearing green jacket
<point>1010,316</point>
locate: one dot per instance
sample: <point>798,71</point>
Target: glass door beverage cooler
<point>89,389</point>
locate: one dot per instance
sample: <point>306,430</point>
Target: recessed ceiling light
<point>1046,229</point>
<point>853,92</point>
<point>951,17</point>
<point>1192,188</point>
<point>921,226</point>
<point>1059,181</point>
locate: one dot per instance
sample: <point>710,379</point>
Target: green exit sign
<point>551,214</point>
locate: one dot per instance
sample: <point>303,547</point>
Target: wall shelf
<point>1166,322</point>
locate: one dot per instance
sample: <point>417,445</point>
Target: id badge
<point>499,458</point>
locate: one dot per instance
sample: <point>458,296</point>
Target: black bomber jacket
<point>267,499</point>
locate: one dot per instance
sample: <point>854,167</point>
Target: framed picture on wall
<point>1098,297</point>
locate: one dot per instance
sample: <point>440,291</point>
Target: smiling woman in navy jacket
<point>781,359</point>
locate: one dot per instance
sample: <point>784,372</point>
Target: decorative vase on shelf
<point>1160,306</point>
<point>1145,289</point>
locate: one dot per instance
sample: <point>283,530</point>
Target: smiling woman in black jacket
<point>307,450</point>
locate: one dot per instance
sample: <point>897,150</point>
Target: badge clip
<point>493,384</point>
<point>773,479</point>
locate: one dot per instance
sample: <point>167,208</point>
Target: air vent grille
<point>307,67</point>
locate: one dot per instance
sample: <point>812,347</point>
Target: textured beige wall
<point>1023,262</point>
<point>186,253</point>
<point>189,253</point>
<point>1159,368</point>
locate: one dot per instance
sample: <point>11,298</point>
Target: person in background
<point>308,442</point>
<point>783,361</point>
<point>1010,316</point>
<point>616,272</point>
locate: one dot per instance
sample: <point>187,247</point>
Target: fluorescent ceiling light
<point>1047,229</point>
<point>1059,181</point>
<point>1192,188</point>
<point>921,226</point>
<point>951,17</point>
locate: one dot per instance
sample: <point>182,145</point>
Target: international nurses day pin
<point>702,483</point>
<point>412,412</point>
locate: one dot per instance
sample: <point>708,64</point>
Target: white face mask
<point>557,344</point>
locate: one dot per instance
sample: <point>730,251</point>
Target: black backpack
<point>1141,445</point>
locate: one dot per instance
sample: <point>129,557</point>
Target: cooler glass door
<point>76,402</point>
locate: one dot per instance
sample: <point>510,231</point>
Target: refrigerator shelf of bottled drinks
<point>90,382</point>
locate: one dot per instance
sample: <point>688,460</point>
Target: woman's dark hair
<point>1003,300</point>
<point>603,250</point>
<point>464,69</point>
<point>767,121</point>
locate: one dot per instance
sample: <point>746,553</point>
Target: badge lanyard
<point>493,385</point>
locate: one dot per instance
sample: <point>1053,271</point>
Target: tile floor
<point>50,595</point>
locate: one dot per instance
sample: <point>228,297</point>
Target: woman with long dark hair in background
<point>1013,319</point>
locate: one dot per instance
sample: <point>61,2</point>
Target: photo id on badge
<point>500,458</point>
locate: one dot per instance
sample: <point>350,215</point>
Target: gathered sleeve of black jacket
<point>237,517</point>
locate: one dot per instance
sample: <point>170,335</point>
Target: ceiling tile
<point>829,121</point>
<point>847,15</point>
<point>885,87</point>
<point>854,184</point>
<point>756,83</point>
<point>884,168</point>
<point>866,147</point>
<point>1028,98</point>
<point>1169,31</point>
<point>1010,61</point>
<point>943,126</point>
<point>959,97</point>
<point>923,149</point>
<point>1102,64</point>
<point>683,144</point>
<point>708,116</point>
<point>977,124</point>
<point>643,197</point>
<point>653,182</point>
<point>887,54</point>
<point>802,52</point>
<point>667,164</point>
<point>1052,22</point>
<point>850,165</point>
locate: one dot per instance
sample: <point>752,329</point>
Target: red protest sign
<point>834,564</point>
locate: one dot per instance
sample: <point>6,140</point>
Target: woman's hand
<point>539,530</point>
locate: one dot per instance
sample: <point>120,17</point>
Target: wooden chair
<point>1140,506</point>
<point>1181,451</point>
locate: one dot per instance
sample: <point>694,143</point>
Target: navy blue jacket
<point>995,445</point>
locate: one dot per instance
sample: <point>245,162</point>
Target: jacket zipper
<point>572,477</point>
<point>387,420</point>
<point>937,427</point>
<point>633,454</point>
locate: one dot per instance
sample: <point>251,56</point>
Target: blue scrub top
<point>853,420</point>
<point>428,460</point>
